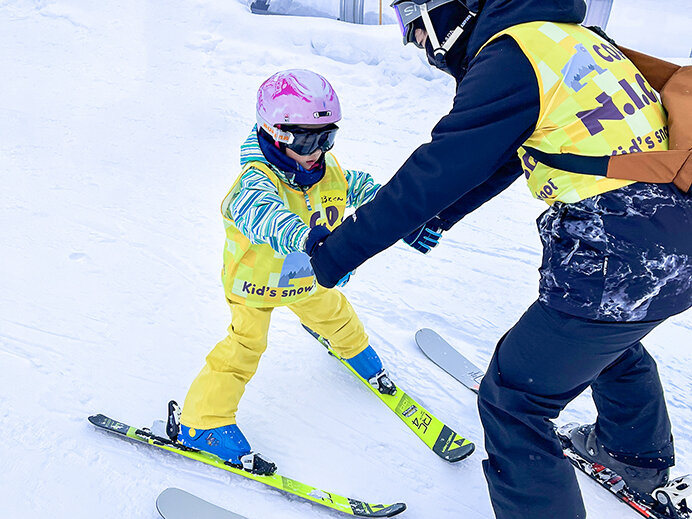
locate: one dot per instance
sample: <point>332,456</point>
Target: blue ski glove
<point>345,279</point>
<point>426,236</point>
<point>316,236</point>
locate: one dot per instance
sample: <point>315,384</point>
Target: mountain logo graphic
<point>296,266</point>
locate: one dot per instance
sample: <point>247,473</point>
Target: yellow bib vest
<point>592,100</point>
<point>257,275</point>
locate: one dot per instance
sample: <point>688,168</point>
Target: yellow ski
<point>329,499</point>
<point>441,439</point>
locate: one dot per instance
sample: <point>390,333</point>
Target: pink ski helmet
<point>293,97</point>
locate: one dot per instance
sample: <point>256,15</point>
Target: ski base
<point>174,503</point>
<point>449,359</point>
<point>440,438</point>
<point>330,500</point>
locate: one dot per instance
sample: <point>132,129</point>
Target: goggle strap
<point>451,40</point>
<point>429,26</point>
<point>457,32</point>
<point>279,136</point>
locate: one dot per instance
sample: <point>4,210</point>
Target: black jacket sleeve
<point>496,184</point>
<point>495,110</point>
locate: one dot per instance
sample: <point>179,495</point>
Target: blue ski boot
<point>641,481</point>
<point>229,444</point>
<point>369,366</point>
<point>226,442</point>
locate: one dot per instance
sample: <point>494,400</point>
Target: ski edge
<point>439,445</point>
<point>357,508</point>
<point>171,492</point>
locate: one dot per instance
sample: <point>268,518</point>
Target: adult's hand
<point>327,273</point>
<point>342,282</point>
<point>315,238</point>
<point>426,236</point>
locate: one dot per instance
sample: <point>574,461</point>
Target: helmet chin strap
<point>440,51</point>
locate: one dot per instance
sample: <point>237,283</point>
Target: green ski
<point>336,502</point>
<point>440,438</point>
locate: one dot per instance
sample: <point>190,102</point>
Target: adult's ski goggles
<point>408,11</point>
<point>304,141</point>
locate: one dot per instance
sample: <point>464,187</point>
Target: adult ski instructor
<point>536,94</point>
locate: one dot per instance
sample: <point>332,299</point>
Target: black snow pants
<point>540,365</point>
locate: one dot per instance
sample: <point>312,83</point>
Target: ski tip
<point>451,446</point>
<point>174,503</point>
<point>166,494</point>
<point>461,453</point>
<point>396,509</point>
<point>97,419</point>
<point>425,331</point>
<point>388,511</point>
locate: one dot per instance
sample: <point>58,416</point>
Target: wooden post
<point>380,12</point>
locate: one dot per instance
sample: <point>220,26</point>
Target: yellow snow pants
<point>212,400</point>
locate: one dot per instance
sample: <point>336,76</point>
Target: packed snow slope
<point>120,126</point>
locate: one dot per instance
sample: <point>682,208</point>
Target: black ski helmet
<point>413,14</point>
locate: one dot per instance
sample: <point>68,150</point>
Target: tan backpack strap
<point>674,83</point>
<point>656,71</point>
<point>677,98</point>
<point>684,178</point>
<point>654,166</point>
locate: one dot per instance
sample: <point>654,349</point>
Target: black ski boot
<point>641,481</point>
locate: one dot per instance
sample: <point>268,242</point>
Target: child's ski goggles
<point>304,141</point>
<point>307,140</point>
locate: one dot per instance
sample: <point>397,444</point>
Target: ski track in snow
<point>121,126</point>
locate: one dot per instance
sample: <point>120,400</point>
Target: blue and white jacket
<point>261,215</point>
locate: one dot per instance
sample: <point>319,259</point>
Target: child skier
<point>290,193</point>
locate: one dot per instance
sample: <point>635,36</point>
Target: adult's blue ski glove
<point>345,279</point>
<point>426,236</point>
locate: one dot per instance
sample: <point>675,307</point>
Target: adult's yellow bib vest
<point>593,102</point>
<point>257,275</point>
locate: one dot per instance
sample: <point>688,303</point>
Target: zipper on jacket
<point>307,198</point>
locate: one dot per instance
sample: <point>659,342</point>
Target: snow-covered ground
<point>120,125</point>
